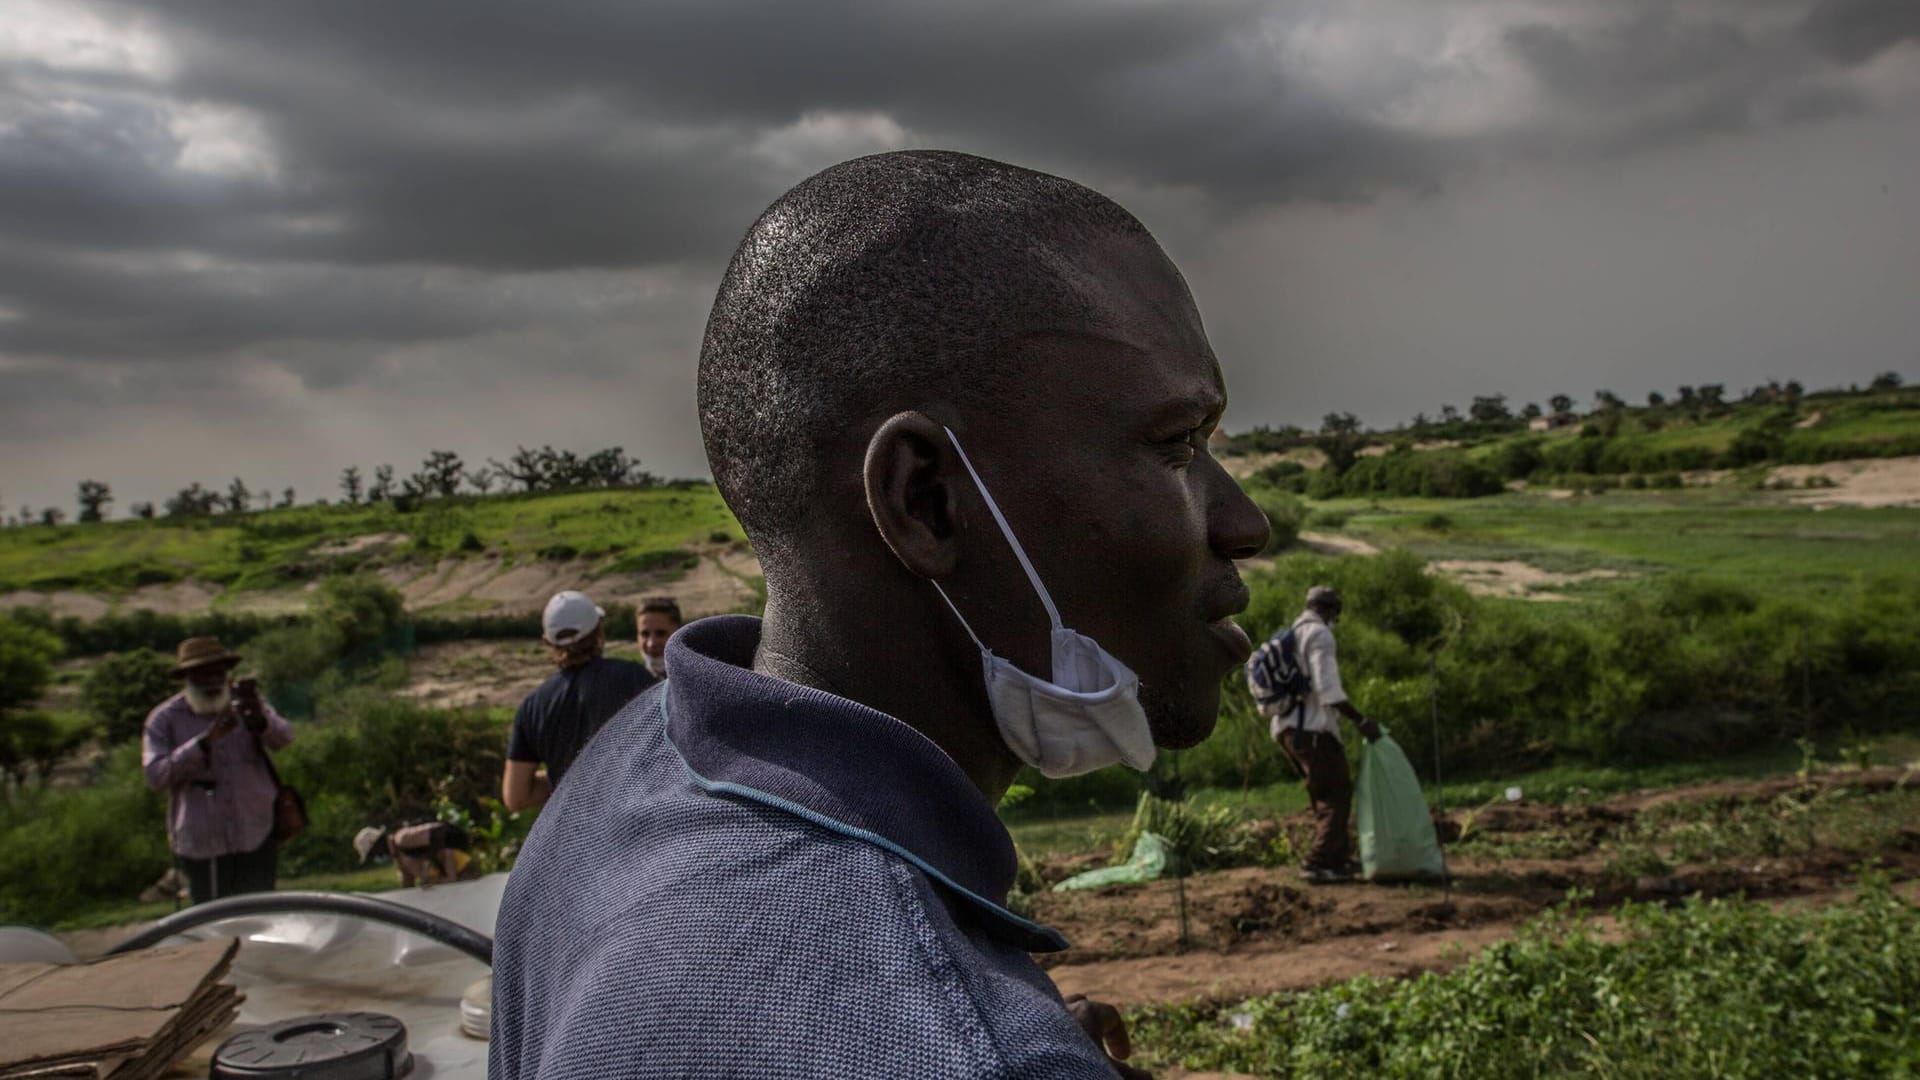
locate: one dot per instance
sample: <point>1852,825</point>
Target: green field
<point>630,529</point>
<point>1758,539</point>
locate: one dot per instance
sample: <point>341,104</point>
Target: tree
<point>52,515</point>
<point>1531,412</point>
<point>93,497</point>
<point>1885,383</point>
<point>1491,409</point>
<point>239,498</point>
<point>1449,414</point>
<point>142,510</point>
<point>350,484</point>
<point>523,468</point>
<point>27,654</point>
<point>382,488</point>
<point>481,479</point>
<point>1655,399</point>
<point>286,497</point>
<point>1340,441</point>
<point>1713,395</point>
<point>1794,392</point>
<point>440,474</point>
<point>123,688</point>
<point>1560,403</point>
<point>1608,401</point>
<point>193,501</point>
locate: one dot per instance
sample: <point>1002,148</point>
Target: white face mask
<point>208,702</point>
<point>1088,716</point>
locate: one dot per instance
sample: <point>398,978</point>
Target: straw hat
<point>200,652</point>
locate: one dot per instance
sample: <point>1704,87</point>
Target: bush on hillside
<point>146,629</point>
<point>63,851</point>
<point>1443,474</point>
<point>123,688</point>
<point>375,759</point>
<point>1285,515</point>
<point>27,654</point>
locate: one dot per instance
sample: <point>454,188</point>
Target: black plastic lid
<point>335,1046</point>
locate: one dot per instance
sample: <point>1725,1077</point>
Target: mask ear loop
<point>1006,530</point>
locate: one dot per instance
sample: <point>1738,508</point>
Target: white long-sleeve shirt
<point>1315,641</point>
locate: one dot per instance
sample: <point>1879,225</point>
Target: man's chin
<point>1180,724</point>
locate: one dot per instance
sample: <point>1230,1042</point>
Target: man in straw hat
<point>206,747</point>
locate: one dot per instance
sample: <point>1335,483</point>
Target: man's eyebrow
<point>1194,409</point>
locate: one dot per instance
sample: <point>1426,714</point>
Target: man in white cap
<point>556,720</point>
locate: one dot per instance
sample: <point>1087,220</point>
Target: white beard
<point>656,664</point>
<point>204,703</point>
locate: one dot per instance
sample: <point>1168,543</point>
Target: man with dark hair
<point>1309,734</point>
<point>658,618</point>
<point>563,713</point>
<point>961,410</point>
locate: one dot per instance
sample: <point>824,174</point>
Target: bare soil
<point>1512,578</point>
<point>1869,482</point>
<point>1259,930</point>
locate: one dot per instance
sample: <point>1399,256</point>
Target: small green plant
<point>1198,838</point>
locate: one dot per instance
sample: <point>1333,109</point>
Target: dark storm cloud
<point>329,190</point>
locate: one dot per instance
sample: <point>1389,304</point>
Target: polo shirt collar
<point>840,764</point>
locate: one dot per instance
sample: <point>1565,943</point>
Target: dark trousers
<point>230,875</point>
<point>1323,760</point>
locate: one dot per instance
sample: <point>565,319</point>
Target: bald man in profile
<point>961,410</point>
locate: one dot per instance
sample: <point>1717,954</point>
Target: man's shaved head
<point>882,284</point>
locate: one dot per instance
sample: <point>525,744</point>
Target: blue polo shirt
<point>745,877</point>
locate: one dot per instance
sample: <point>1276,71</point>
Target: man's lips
<point>1228,633</point>
<point>1232,638</point>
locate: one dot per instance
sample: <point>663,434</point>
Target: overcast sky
<point>273,239</point>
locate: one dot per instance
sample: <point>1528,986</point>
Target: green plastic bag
<point>1149,861</point>
<point>1396,833</point>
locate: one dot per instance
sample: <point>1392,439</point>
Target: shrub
<point>1721,988</point>
<point>63,851</point>
<point>361,612</point>
<point>27,654</point>
<point>1329,518</point>
<point>1516,460</point>
<point>122,689</point>
<point>375,759</point>
<point>1285,515</point>
<point>1445,474</point>
<point>1209,838</point>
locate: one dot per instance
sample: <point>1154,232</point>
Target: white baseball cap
<point>569,615</point>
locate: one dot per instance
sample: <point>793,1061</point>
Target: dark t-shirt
<point>558,718</point>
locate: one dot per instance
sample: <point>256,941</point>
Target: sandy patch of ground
<point>485,674</point>
<point>175,598</point>
<point>1335,544</point>
<point>1811,420</point>
<point>1432,444</point>
<point>355,545</point>
<point>1245,465</point>
<point>1867,482</point>
<point>1513,578</point>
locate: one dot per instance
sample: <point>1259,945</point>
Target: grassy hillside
<point>1752,538</point>
<point>629,528</point>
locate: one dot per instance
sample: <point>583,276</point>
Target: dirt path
<point>1257,930</point>
<point>1335,544</point>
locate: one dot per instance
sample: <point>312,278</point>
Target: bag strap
<point>260,746</point>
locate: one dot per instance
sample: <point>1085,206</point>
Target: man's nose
<point>1237,528</point>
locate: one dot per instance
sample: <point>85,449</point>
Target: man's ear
<point>908,493</point>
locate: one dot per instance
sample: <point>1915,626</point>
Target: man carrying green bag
<point>1397,841</point>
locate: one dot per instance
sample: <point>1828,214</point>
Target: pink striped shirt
<point>219,797</point>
